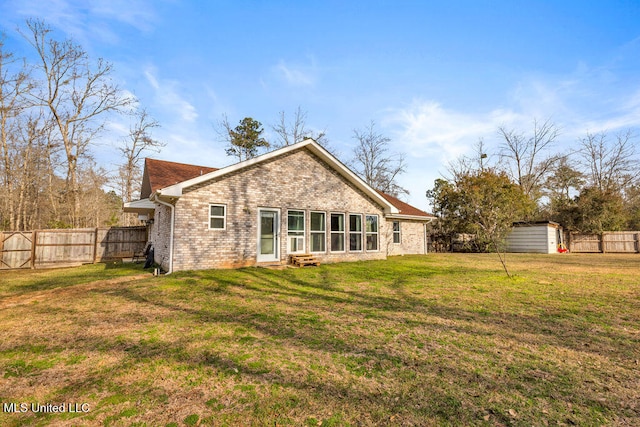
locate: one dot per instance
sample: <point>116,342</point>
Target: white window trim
<point>343,232</point>
<point>224,217</point>
<point>394,232</point>
<point>311,232</point>
<point>361,233</point>
<point>304,232</point>
<point>376,233</point>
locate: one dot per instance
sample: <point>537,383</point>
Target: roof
<point>143,206</point>
<point>175,191</point>
<point>405,209</point>
<point>534,223</point>
<point>169,178</point>
<point>161,173</point>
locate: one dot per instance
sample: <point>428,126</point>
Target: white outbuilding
<point>545,237</point>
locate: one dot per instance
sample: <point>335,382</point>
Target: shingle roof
<point>161,173</point>
<point>405,208</point>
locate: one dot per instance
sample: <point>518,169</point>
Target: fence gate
<point>16,250</point>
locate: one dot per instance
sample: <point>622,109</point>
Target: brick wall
<point>159,235</point>
<point>412,238</point>
<point>298,180</point>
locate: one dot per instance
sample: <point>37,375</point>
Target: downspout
<point>170,270</point>
<point>426,238</point>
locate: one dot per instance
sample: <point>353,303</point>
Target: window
<point>355,232</point>
<point>295,231</point>
<point>372,232</point>
<point>396,231</point>
<point>318,232</point>
<point>217,217</point>
<point>337,232</point>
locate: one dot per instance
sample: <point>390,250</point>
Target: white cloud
<point>426,129</point>
<point>84,20</point>
<point>139,14</point>
<point>167,94</point>
<point>625,116</point>
<point>433,136</point>
<point>297,75</point>
<point>589,99</point>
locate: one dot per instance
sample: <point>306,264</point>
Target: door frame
<point>276,241</point>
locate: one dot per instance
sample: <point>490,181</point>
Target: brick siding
<point>298,181</point>
<point>412,238</point>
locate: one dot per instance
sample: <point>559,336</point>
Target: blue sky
<point>435,76</point>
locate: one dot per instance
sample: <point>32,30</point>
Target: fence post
<point>34,240</point>
<point>602,245</point>
<point>95,244</point>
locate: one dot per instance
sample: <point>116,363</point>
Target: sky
<point>434,76</point>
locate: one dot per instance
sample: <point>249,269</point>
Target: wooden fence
<point>57,248</point>
<point>612,241</point>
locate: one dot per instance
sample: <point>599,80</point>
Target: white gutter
<point>157,200</point>
<point>410,217</point>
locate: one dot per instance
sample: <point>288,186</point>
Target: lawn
<point>442,339</point>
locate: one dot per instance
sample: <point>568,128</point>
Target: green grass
<point>23,282</point>
<point>442,339</point>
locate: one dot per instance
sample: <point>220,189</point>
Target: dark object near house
<point>150,256</point>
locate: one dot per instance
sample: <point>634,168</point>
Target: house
<point>544,237</point>
<point>295,200</point>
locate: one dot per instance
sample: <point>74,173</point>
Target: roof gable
<point>161,173</point>
<point>175,190</point>
<point>170,178</point>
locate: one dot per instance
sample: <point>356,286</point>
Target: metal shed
<point>543,237</point>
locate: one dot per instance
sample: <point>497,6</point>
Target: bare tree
<point>295,131</point>
<point>526,162</point>
<point>609,165</point>
<point>15,85</point>
<point>138,141</point>
<point>465,165</point>
<point>100,208</point>
<point>32,139</point>
<point>375,163</point>
<point>78,94</point>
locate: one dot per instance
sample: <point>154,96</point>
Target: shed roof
<point>536,223</point>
